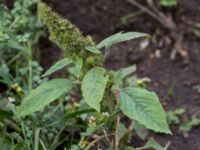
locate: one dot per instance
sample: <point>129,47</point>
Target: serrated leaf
<point>43,95</point>
<point>144,107</point>
<point>120,37</point>
<point>93,87</point>
<point>57,66</point>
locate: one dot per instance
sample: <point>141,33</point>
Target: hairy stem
<point>117,140</point>
<point>36,140</point>
<point>30,68</point>
<point>116,133</point>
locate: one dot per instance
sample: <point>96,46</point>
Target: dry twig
<point>167,22</point>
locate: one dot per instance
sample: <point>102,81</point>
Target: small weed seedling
<point>197,88</point>
<point>197,30</point>
<point>186,124</point>
<point>103,97</point>
<point>173,116</point>
<point>168,3</point>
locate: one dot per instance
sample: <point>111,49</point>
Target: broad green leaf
<point>144,107</point>
<point>93,87</point>
<point>93,50</point>
<point>43,95</point>
<point>120,37</point>
<point>57,66</point>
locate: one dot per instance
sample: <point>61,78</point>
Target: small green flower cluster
<point>68,37</point>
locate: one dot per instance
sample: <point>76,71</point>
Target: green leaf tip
<point>120,37</point>
<point>57,66</point>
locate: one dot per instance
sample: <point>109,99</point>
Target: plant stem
<point>36,140</point>
<point>13,23</point>
<point>25,138</point>
<point>117,140</point>
<point>116,147</point>
<point>146,10</point>
<point>30,68</point>
<point>95,141</point>
<point>14,58</point>
<point>43,145</point>
<point>30,75</point>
